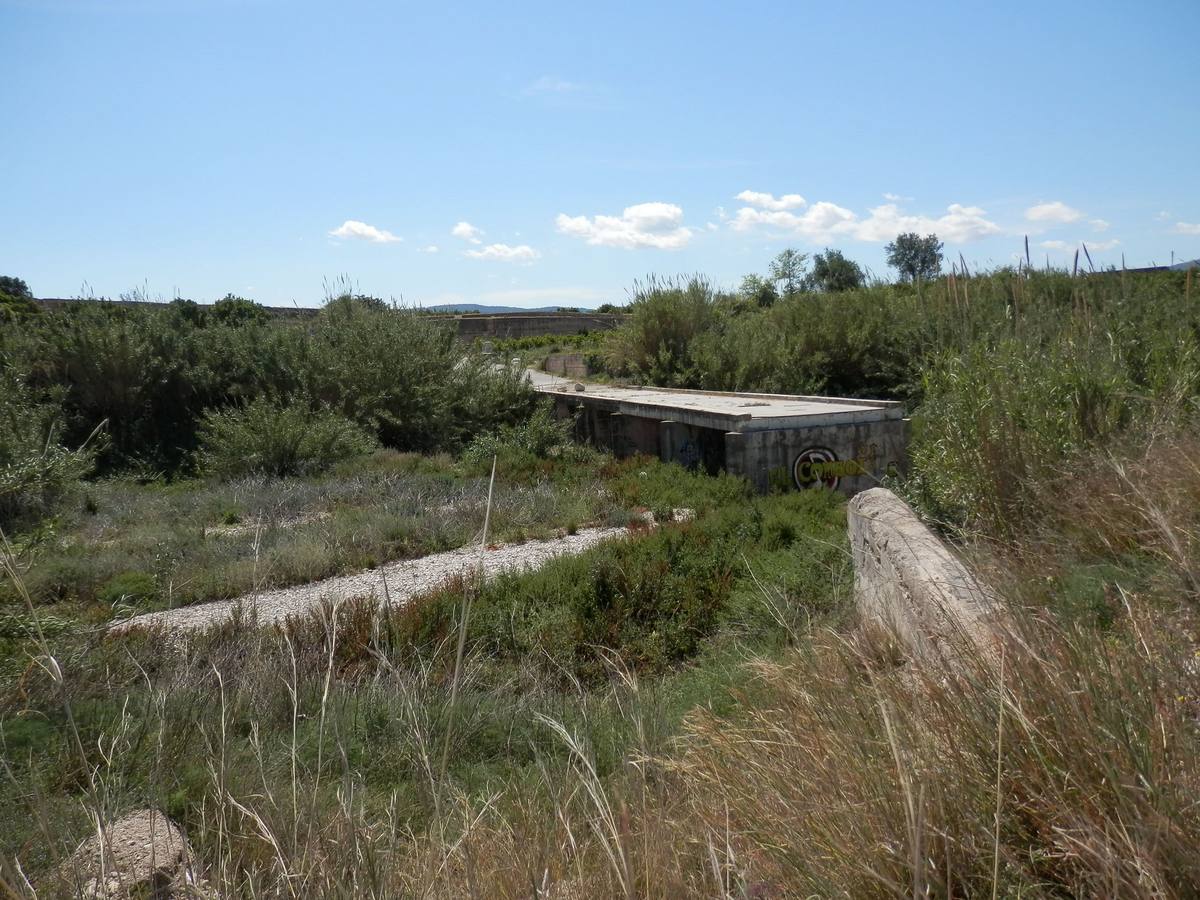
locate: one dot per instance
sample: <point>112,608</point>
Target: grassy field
<point>688,711</point>
<point>367,699</point>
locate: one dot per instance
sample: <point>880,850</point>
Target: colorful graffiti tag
<point>819,467</point>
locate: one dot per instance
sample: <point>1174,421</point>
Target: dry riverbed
<point>404,580</point>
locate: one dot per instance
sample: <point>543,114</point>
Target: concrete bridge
<point>777,441</point>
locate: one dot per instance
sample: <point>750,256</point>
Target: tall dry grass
<point>1069,768</point>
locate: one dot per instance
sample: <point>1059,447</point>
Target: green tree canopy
<point>15,287</point>
<point>787,271</point>
<point>758,290</point>
<point>236,311</point>
<point>833,272</point>
<point>916,258</point>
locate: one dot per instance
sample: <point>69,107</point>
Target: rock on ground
<point>143,854</point>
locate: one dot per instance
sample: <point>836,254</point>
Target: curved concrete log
<point>906,579</point>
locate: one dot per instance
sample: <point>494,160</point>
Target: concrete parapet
<point>570,365</point>
<point>141,854</point>
<point>906,579</point>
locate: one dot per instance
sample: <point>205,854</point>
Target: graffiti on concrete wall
<point>818,467</point>
<point>688,454</point>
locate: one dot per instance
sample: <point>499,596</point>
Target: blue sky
<point>539,153</point>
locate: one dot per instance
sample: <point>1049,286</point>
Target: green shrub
<point>238,311</point>
<point>665,316</point>
<point>654,600</point>
<point>538,436</point>
<point>152,374</point>
<point>37,473</point>
<point>269,438</point>
<point>129,587</point>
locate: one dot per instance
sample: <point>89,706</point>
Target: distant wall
<point>569,365</point>
<point>519,325</point>
<point>62,303</point>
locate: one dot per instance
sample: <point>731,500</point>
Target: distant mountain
<point>485,308</point>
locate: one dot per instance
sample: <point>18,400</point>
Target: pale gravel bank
<point>405,579</point>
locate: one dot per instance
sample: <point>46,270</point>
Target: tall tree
<point>787,271</point>
<point>758,290</point>
<point>833,272</point>
<point>916,258</point>
<point>238,311</point>
<point>15,287</point>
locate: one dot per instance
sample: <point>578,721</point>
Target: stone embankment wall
<point>518,325</point>
<point>568,365</point>
<point>907,581</point>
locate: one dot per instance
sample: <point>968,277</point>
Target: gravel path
<point>405,579</point>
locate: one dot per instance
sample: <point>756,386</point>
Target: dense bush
<point>1007,374</point>
<point>36,471</point>
<point>654,601</point>
<point>538,436</point>
<point>151,374</point>
<point>665,317</point>
<point>268,438</point>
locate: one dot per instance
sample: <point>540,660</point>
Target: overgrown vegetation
<point>152,375</point>
<point>268,438</point>
<point>1008,375</point>
<point>690,710</point>
<point>36,471</point>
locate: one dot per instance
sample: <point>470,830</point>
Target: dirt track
<point>405,579</point>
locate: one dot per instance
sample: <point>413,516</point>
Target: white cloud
<point>432,248</point>
<point>824,221</point>
<point>769,201</point>
<point>1053,213</point>
<point>505,253</point>
<point>658,225</point>
<point>467,232</point>
<point>958,225</point>
<point>895,198</point>
<point>1162,215</point>
<point>1187,228</point>
<point>1069,246</point>
<point>1099,225</point>
<point>551,84</point>
<point>364,232</point>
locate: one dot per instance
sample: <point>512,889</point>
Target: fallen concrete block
<point>141,854</point>
<point>908,581</point>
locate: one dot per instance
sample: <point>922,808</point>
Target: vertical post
<point>666,440</point>
<point>735,454</point>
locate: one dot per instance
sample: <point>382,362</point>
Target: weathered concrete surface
<point>847,457</point>
<point>773,440</point>
<point>141,854</point>
<point>532,324</point>
<point>906,579</point>
<point>570,365</point>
